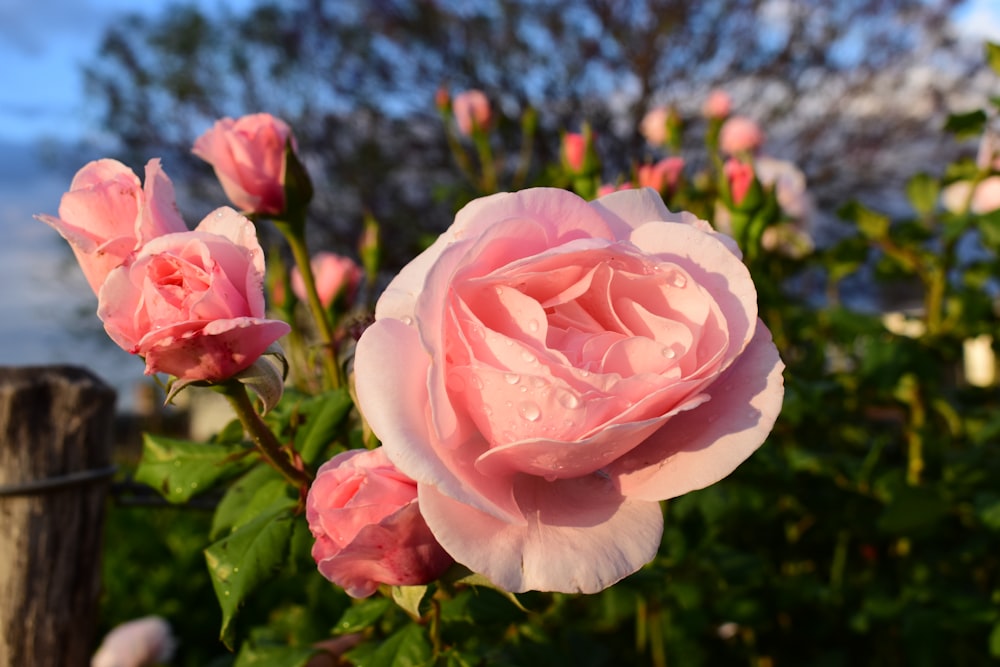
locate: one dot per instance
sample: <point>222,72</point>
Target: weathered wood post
<point>55,467</point>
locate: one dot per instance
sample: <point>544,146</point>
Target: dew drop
<point>679,280</point>
<point>668,352</point>
<point>407,320</point>
<point>509,404</point>
<point>549,478</point>
<point>499,290</point>
<point>537,382</point>
<point>529,410</point>
<point>524,389</point>
<point>511,378</point>
<point>487,410</point>
<point>533,326</point>
<point>476,382</point>
<point>529,357</point>
<point>569,400</point>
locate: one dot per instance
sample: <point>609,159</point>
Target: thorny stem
<point>264,439</point>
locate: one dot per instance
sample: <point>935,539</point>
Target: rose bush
<point>548,370</point>
<point>248,156</point>
<point>363,513</point>
<point>192,303</point>
<point>108,214</point>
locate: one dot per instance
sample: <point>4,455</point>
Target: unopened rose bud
<point>740,135</point>
<point>472,111</point>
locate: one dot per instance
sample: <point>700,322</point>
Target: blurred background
<point>854,91</point>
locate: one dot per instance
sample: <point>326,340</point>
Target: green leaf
<point>323,421</point>
<point>993,56</point>
<point>873,225</point>
<point>407,647</point>
<point>912,509</point>
<point>250,556</point>
<point>460,575</point>
<point>965,125</point>
<point>995,641</point>
<point>252,655</point>
<point>257,489</point>
<point>179,469</point>
<point>922,191</point>
<point>361,615</point>
<point>409,598</point>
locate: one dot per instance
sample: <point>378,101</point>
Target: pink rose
<point>985,198</point>
<point>608,188</point>
<point>140,643</point>
<point>107,214</point>
<point>574,151</point>
<point>662,176</point>
<point>192,303</point>
<point>740,135</point>
<point>334,274</point>
<point>550,369</point>
<point>363,513</point>
<point>472,111</point>
<point>740,177</point>
<point>717,105</point>
<point>248,155</point>
<point>654,126</point>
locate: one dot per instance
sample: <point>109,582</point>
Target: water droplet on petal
<point>529,357</point>
<point>679,280</point>
<point>533,325</point>
<point>487,410</point>
<point>476,382</point>
<point>569,400</point>
<point>511,378</point>
<point>529,410</point>
<point>499,290</point>
<point>668,352</point>
<point>407,320</point>
<point>549,478</point>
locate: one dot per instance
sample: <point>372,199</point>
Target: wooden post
<point>55,468</point>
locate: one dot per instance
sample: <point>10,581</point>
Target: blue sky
<point>47,307</point>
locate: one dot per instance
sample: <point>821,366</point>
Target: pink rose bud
<point>718,105</point>
<point>144,642</point>
<point>608,188</point>
<point>364,515</point>
<point>335,276</point>
<point>192,303</point>
<point>574,151</point>
<point>662,176</point>
<point>107,215</point>
<point>985,197</point>
<point>654,126</point>
<point>442,99</point>
<point>248,155</point>
<point>472,111</point>
<point>550,369</point>
<point>740,177</point>
<point>739,134</point>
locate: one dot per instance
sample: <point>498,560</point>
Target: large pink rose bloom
<point>363,513</point>
<point>192,303</point>
<point>248,156</point>
<point>107,214</point>
<point>550,369</point>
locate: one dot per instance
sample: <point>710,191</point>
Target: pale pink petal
<point>581,536</point>
<point>159,213</point>
<point>701,446</point>
<point>390,372</point>
<point>105,169</point>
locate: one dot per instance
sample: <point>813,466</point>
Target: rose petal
<point>581,536</point>
<point>391,382</point>
<point>700,447</point>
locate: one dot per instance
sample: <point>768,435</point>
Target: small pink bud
<point>472,111</point>
<point>718,105</point>
<point>739,134</point>
<point>574,150</point>
<point>661,176</point>
<point>335,276</point>
<point>740,176</point>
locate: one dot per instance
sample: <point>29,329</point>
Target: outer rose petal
<point>399,550</point>
<point>700,447</point>
<point>217,351</point>
<point>581,535</point>
<point>390,372</point>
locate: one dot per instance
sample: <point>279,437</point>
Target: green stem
<point>264,439</point>
<point>296,241</point>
